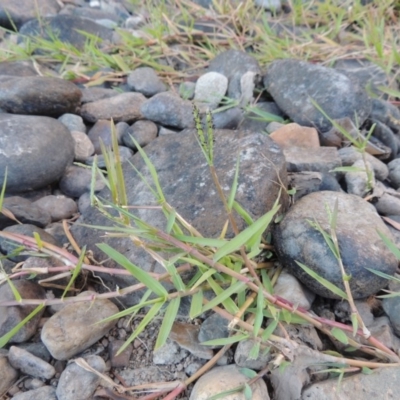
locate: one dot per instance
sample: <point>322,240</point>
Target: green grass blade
<point>203,242</point>
<point>145,321</point>
<point>228,303</point>
<point>196,304</point>
<point>243,237</point>
<point>259,312</point>
<point>204,277</point>
<point>14,290</point>
<point>269,330</point>
<point>330,286</point>
<point>228,340</point>
<point>3,189</point>
<point>227,293</point>
<point>235,182</point>
<point>168,320</point>
<point>137,272</point>
<point>340,335</point>
<point>390,245</point>
<point>5,338</point>
<point>171,221</point>
<point>76,272</point>
<point>243,213</point>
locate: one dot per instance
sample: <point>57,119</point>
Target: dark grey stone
<point>36,151</point>
<point>214,327</point>
<point>17,68</point>
<point>254,123</point>
<point>385,135</point>
<point>20,95</point>
<point>142,131</point>
<point>145,80</point>
<point>360,245</point>
<point>45,392</point>
<point>387,113</point>
<point>73,122</point>
<point>293,83</point>
<point>66,28</point>
<point>188,187</point>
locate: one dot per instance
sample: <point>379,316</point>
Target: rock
<point>394,173</point>
<point>21,11</point>
<point>45,392</point>
<point>168,109</point>
<point>369,75</point>
<point>220,379</point>
<point>361,247</point>
<point>255,122</point>
<point>142,131</point>
<point>235,64</point>
<point>30,364</point>
<point>388,204</point>
<point>386,136</point>
<point>186,90</point>
<point>76,383</point>
<point>38,349</point>
<point>101,133</point>
<point>361,181</point>
<point>289,288</point>
<point>188,186</point>
<point>214,327</point>
<point>73,122</point>
<point>169,354</point>
<point>145,80</point>
<point>349,155</point>
<point>8,375</point>
<point>379,385</point>
<point>187,337</point>
<point>391,306</point>
<point>228,119</point>
<point>59,207</point>
<point>387,113</point>
<point>92,94</point>
<point>11,316</point>
<point>122,107</point>
<point>66,28</point>
<point>243,359</point>
<point>125,153</point>
<point>210,89</point>
<point>293,83</point>
<point>77,181</point>
<point>24,211</point>
<point>152,374</point>
<point>321,159</point>
<point>77,326</point>
<point>335,137</point>
<point>36,151</point>
<point>17,68</point>
<point>121,360</point>
<point>33,383</point>
<point>19,95</point>
<point>274,5</point>
<point>294,135</point>
<point>83,146</point>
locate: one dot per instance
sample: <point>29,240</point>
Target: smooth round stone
<point>19,95</point>
<point>83,146</point>
<point>360,245</point>
<point>142,131</point>
<point>146,81</point>
<point>59,207</point>
<point>210,89</point>
<point>35,150</point>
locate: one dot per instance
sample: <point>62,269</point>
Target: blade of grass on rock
<point>77,269</point>
<point>390,245</point>
<point>137,272</point>
<point>330,286</point>
<point>168,320</point>
<point>196,304</point>
<point>259,312</point>
<point>228,303</point>
<point>243,237</point>
<point>234,187</point>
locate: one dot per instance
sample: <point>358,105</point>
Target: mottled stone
<point>59,207</point>
<point>294,135</point>
<point>8,375</point>
<point>360,245</point>
<point>146,81</point>
<point>210,89</point>
<point>45,392</point>
<point>142,131</point>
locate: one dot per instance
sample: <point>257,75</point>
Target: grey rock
<point>33,383</point>
<point>388,204</point>
<point>73,122</point>
<point>77,326</point>
<point>84,202</point>
<point>234,64</point>
<point>13,315</point>
<point>92,94</point>
<point>228,119</point>
<point>8,247</point>
<point>17,68</point>
<point>19,95</point>
<point>219,379</point>
<point>243,359</point>
<point>21,11</point>
<point>38,349</point>
<point>24,211</point>
<point>168,109</point>
<point>142,131</point>
<point>391,306</point>
<point>387,113</point>
<point>56,230</point>
<point>59,207</point>
<point>186,90</point>
<point>360,182</point>
<point>349,155</point>
<point>361,247</point>
<point>119,360</point>
<point>293,83</point>
<point>289,288</point>
<point>83,146</point>
<point>76,383</point>
<point>210,89</point>
<point>123,107</point>
<point>394,173</point>
<point>214,327</point>
<point>125,153</point>
<point>145,80</point>
<point>379,386</point>
<point>101,133</point>
<point>188,186</point>
<point>8,375</point>
<point>169,354</point>
<point>252,120</point>
<point>36,151</point>
<point>45,392</point>
<point>30,364</point>
<point>386,136</point>
<point>77,180</point>
<point>319,159</point>
<point>66,28</point>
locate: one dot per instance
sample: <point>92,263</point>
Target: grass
<point>235,270</point>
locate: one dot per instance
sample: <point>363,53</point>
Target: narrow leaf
<point>269,330</point>
<point>390,245</point>
<point>168,320</point>
<point>248,393</point>
<point>234,187</point>
<point>75,274</point>
<point>235,288</point>
<point>340,335</point>
<point>196,304</point>
<point>225,341</point>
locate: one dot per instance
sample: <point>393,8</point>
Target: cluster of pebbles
<point>51,132</point>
